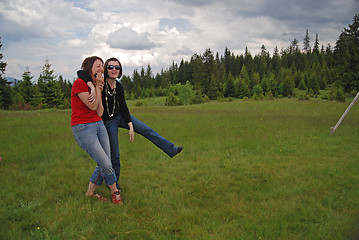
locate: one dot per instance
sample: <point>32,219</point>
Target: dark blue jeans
<point>140,128</point>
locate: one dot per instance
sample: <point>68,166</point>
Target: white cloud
<point>128,39</point>
<point>44,18</point>
<point>157,32</point>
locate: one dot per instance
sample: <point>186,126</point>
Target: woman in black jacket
<point>116,115</point>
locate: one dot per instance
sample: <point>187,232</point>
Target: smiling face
<point>113,69</point>
<point>97,67</point>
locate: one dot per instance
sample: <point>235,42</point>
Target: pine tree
<point>148,77</point>
<point>222,75</point>
<point>238,62</point>
<point>346,54</point>
<point>264,61</point>
<point>214,88</point>
<point>5,90</point>
<point>313,83</point>
<point>265,84</point>
<point>302,85</point>
<point>288,85</point>
<point>244,75</point>
<point>273,86</point>
<point>241,89</point>
<point>295,56</point>
<point>275,61</point>
<point>142,78</point>
<point>306,43</point>
<point>128,85</point>
<point>57,100</point>
<point>227,60</point>
<point>248,61</point>
<point>324,76</point>
<point>173,70</point>
<point>199,73</point>
<point>26,87</point>
<point>257,92</point>
<point>183,73</point>
<point>329,55</point>
<point>137,83</point>
<point>65,87</point>
<point>255,80</point>
<point>49,91</point>
<point>229,90</point>
<point>316,45</point>
<point>209,71</point>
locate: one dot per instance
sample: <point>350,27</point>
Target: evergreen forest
<point>300,70</point>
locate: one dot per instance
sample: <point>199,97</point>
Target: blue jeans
<point>93,138</point>
<point>140,128</point>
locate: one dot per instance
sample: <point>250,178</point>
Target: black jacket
<point>120,101</point>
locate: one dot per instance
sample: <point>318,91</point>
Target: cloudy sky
<point>157,32</point>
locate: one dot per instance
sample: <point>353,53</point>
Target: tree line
<point>50,91</point>
<point>209,76</point>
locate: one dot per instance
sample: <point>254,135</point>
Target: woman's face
<point>111,69</point>
<point>97,67</point>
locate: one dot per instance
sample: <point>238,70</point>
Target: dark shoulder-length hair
<point>106,64</point>
<point>88,63</point>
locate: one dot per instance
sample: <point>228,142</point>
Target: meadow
<point>249,170</point>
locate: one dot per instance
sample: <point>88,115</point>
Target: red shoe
<point>116,198</point>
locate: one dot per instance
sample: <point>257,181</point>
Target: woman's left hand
<point>99,81</point>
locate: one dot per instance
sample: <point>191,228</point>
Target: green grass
<point>249,170</point>
<point>153,101</point>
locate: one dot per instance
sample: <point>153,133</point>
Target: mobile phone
<point>95,74</point>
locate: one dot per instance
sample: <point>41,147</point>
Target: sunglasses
<point>110,67</point>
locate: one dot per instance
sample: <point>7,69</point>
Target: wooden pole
<point>332,129</point>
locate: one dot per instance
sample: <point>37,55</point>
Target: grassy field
<point>249,170</point>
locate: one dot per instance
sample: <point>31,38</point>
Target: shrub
<point>138,103</point>
<point>302,97</point>
<point>339,95</point>
<point>183,92</point>
<point>206,98</point>
<point>310,93</point>
<point>302,85</point>
<point>353,93</point>
<point>269,96</point>
<point>198,97</point>
<point>223,99</point>
<point>257,90</point>
<point>67,103</point>
<point>173,100</point>
<point>325,96</point>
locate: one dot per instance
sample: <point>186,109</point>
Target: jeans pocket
<point>78,128</point>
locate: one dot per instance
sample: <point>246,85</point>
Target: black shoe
<point>179,149</point>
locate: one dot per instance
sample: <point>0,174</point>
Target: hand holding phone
<point>99,80</point>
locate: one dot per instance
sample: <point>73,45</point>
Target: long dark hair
<point>106,64</point>
<point>88,63</point>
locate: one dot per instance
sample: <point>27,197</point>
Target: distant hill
<point>12,80</point>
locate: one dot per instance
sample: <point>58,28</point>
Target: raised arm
<point>95,105</point>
